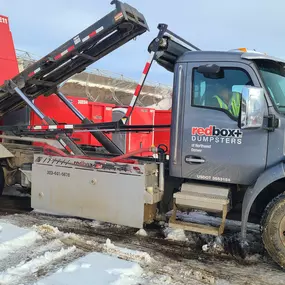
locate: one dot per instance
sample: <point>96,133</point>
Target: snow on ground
<point>55,250</point>
<point>141,232</point>
<point>40,256</point>
<point>126,253</point>
<point>13,238</point>
<point>14,274</point>
<point>175,234</point>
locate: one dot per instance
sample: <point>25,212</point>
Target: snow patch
<point>13,245</point>
<point>128,276</point>
<point>215,246</point>
<point>54,232</point>
<point>141,232</point>
<point>47,229</point>
<point>175,234</point>
<point>109,244</point>
<point>125,253</point>
<point>14,274</point>
<point>73,267</point>
<point>13,238</point>
<point>95,224</point>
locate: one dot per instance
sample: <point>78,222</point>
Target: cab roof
<point>225,56</point>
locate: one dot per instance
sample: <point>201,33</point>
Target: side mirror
<point>252,108</point>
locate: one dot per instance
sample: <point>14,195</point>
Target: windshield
<point>273,75</point>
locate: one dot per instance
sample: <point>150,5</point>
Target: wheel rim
<point>282,230</point>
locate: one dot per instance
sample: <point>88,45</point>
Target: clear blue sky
<point>41,26</point>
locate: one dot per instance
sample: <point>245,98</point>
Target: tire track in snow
<point>28,253</point>
<point>27,270</point>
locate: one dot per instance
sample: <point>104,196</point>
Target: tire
<point>2,180</point>
<point>273,229</point>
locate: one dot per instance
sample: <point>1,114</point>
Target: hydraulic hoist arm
<point>43,77</point>
<point>109,33</point>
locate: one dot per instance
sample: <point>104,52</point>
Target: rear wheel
<point>273,229</point>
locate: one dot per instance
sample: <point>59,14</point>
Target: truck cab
<point>228,152</point>
<point>207,142</point>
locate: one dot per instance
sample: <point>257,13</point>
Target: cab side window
<point>223,94</point>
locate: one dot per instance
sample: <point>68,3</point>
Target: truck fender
<point>267,177</point>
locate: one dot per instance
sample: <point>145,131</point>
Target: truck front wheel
<point>273,229</point>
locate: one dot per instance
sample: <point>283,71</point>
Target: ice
<point>128,276</point>
<point>13,238</point>
<point>96,268</point>
<point>85,265</point>
<point>70,268</point>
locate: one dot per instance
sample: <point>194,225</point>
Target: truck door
<point>213,147</point>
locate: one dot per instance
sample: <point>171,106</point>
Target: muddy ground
<point>188,259</point>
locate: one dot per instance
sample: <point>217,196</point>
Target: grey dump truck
<point>224,157</point>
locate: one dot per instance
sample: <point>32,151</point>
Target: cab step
<point>201,197</point>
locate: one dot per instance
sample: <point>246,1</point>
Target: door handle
<point>195,159</point>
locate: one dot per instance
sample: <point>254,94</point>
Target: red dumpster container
<point>100,113</point>
<point>162,117</point>
<point>54,108</point>
<point>8,60</point>
<point>133,141</point>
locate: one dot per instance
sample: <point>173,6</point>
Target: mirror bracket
<point>273,123</point>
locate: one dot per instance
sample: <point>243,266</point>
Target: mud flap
<point>108,192</point>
